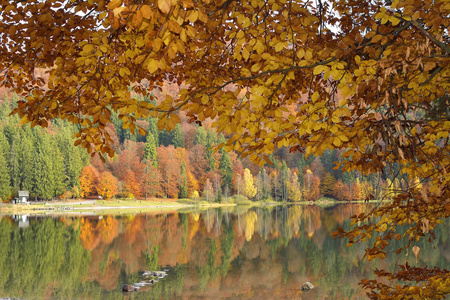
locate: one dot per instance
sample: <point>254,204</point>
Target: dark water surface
<point>233,253</point>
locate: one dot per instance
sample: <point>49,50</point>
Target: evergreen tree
<point>183,190</point>
<point>5,184</point>
<point>200,136</point>
<point>4,144</point>
<point>226,169</point>
<point>118,124</point>
<point>328,158</point>
<point>26,163</point>
<point>35,189</point>
<point>153,129</point>
<point>301,169</point>
<point>150,150</point>
<point>75,158</point>
<point>284,179</point>
<point>59,176</point>
<point>177,137</point>
<point>13,162</point>
<point>211,140</point>
<point>165,138</point>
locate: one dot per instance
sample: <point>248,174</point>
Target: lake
<point>227,253</point>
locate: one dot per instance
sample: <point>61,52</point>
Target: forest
<point>183,163</point>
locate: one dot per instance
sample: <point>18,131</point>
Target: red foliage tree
<point>129,159</point>
<point>151,184</point>
<point>197,158</point>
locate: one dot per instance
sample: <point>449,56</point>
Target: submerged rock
<point>306,287</point>
<point>129,288</point>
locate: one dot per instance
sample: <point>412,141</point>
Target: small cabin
<point>23,197</point>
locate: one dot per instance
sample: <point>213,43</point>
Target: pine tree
<point>5,184</point>
<point>211,140</point>
<point>226,169</point>
<point>26,162</point>
<point>177,137</point>
<point>200,136</point>
<point>283,178</point>
<point>183,190</point>
<point>150,150</point>
<point>153,130</point>
<point>59,176</point>
<point>301,167</point>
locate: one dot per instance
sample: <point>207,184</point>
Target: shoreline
<point>126,206</point>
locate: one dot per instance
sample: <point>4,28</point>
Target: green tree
<point>59,176</point>
<point>150,150</point>
<point>283,181</point>
<point>200,136</point>
<point>177,137</point>
<point>183,190</point>
<point>5,180</point>
<point>226,170</point>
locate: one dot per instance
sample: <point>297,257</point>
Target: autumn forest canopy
<point>366,78</point>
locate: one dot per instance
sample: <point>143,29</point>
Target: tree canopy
<point>368,76</point>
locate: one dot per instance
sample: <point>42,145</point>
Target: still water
<point>228,253</point>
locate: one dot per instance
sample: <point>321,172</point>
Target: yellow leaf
<point>259,47</point>
<point>24,120</point>
<point>146,11</point>
<point>152,66</point>
<point>165,6</point>
<point>88,48</point>
<point>114,3</point>
<point>337,142</point>
<point>157,43</point>
<point>174,26</point>
<point>193,16</point>
<point>245,54</point>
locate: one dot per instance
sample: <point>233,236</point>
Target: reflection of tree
<point>227,247</point>
<point>208,255</point>
<point>208,272</point>
<point>38,257</point>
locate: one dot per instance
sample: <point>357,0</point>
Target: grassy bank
<point>115,206</point>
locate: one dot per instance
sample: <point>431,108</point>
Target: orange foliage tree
<point>107,185</point>
<point>132,184</point>
<point>88,181</point>
<point>169,167</point>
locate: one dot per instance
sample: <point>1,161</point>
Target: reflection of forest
<point>263,253</point>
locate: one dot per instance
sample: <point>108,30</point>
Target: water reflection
<point>262,253</point>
